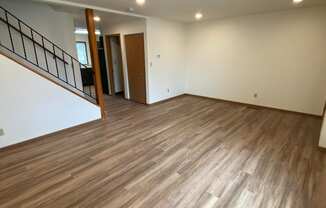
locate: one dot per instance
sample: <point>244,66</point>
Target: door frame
<point>110,64</point>
<point>145,61</point>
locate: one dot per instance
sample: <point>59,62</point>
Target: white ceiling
<point>184,10</point>
<point>107,18</point>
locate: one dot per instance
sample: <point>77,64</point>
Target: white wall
<point>280,56</point>
<point>166,59</point>
<point>164,54</point>
<point>125,28</point>
<point>32,106</point>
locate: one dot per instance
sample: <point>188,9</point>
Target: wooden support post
<point>95,59</point>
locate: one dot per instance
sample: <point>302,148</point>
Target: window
<point>82,52</point>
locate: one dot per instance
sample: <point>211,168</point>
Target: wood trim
<point>141,33</point>
<point>89,13</point>
<point>38,139</point>
<point>43,76</point>
<point>115,35</point>
<point>257,106</point>
<point>110,64</point>
<point>122,69</point>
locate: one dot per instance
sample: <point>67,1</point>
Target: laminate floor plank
<point>188,152</point>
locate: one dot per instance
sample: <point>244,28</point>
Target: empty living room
<point>163,104</point>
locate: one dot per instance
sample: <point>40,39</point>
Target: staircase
<point>28,47</point>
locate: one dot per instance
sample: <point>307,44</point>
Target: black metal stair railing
<point>21,39</point>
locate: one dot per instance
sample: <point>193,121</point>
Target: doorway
<point>101,55</point>
<point>114,53</point>
<point>135,53</point>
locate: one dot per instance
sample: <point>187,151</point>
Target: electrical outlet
<point>2,132</point>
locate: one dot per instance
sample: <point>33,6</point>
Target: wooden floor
<point>187,152</point>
